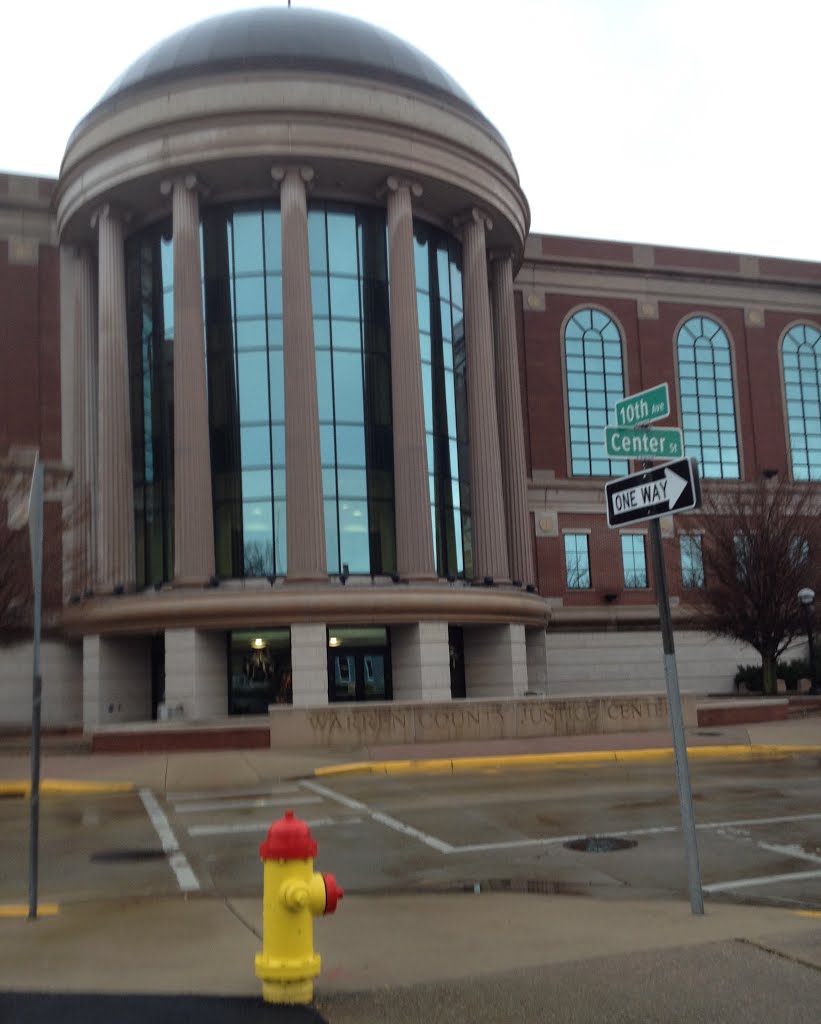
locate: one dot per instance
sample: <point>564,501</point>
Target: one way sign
<point>671,487</point>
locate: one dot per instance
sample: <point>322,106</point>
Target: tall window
<point>801,356</point>
<point>349,294</point>
<point>242,292</point>
<point>692,561</point>
<point>706,393</point>
<point>577,561</point>
<point>595,382</point>
<point>438,265</point>
<point>150,312</point>
<point>633,560</point>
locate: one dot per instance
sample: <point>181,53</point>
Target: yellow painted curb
<point>64,787</point>
<point>10,911</point>
<point>451,765</point>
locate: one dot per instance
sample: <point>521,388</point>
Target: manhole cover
<point>600,844</point>
<point>127,856</point>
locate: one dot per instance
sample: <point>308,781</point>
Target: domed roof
<point>273,38</point>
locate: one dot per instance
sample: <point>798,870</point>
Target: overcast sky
<point>679,122</point>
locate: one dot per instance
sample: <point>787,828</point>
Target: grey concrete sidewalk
<point>390,950</point>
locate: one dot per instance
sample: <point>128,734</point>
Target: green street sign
<point>646,406</point>
<point>643,442</point>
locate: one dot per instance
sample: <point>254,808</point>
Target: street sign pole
<point>36,540</point>
<point>685,796</point>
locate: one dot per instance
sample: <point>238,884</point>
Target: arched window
<point>595,382</point>
<point>705,377</point>
<point>801,355</point>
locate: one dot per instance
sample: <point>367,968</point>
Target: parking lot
<point>608,831</point>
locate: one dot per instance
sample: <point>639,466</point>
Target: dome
<point>272,38</point>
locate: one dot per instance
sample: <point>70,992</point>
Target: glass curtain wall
<point>349,293</point>
<point>438,262</point>
<point>242,307</point>
<point>242,291</point>
<point>150,318</point>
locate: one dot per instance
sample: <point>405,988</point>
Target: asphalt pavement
<point>491,956</point>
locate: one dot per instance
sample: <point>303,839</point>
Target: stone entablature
<point>350,725</point>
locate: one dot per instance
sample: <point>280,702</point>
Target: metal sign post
<point>645,496</point>
<point>685,796</point>
<point>36,538</point>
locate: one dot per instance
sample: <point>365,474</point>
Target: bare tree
<point>15,581</point>
<point>761,544</point>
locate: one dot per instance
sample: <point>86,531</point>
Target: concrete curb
<point>63,787</point>
<point>448,765</point>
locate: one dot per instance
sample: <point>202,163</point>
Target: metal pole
<point>36,540</point>
<point>685,796</point>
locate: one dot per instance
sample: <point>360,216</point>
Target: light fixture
<point>334,641</point>
<point>258,643</point>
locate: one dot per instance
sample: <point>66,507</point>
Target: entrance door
<point>358,664</point>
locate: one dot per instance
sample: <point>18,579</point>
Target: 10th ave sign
<point>671,487</point>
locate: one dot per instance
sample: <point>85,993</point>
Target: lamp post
<point>806,597</point>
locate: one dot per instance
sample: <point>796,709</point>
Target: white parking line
<point>261,827</point>
<point>244,805</point>
<point>745,883</point>
<point>383,819</point>
<point>247,791</point>
<point>186,878</point>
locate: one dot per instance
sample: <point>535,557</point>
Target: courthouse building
<point>322,421</point>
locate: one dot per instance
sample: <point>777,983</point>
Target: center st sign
<point>671,487</point>
<point>643,442</point>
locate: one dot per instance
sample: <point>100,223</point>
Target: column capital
<point>190,182</point>
<point>280,172</point>
<point>393,183</point>
<point>475,215</point>
<point>111,212</point>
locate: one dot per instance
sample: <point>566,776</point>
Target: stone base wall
<point>61,667</point>
<point>612,663</point>
<point>356,725</point>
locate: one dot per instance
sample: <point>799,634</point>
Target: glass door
<point>358,663</point>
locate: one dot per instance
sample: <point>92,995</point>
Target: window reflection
<point>437,259</point>
<point>150,320</point>
<point>706,392</point>
<point>595,382</point>
<point>351,333</point>
<point>243,325</point>
<point>634,563</point>
<point>801,358</point>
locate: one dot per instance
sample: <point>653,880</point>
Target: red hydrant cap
<point>288,839</point>
<point>333,893</point>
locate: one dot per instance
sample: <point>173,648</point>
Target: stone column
<point>487,503</point>
<point>414,535</point>
<point>303,466</point>
<point>115,488</point>
<point>84,414</point>
<point>193,498</point>
<point>511,422</point>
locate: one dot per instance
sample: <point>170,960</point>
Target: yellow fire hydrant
<point>293,894</point>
